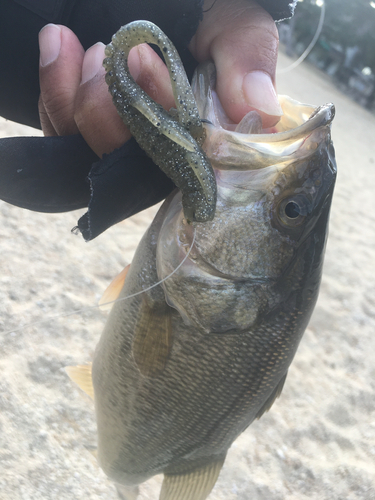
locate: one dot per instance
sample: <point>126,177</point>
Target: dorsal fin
<point>196,485</point>
<point>113,290</point>
<point>152,341</point>
<point>81,375</point>
<point>275,394</point>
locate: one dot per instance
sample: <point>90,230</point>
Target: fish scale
<point>185,388</point>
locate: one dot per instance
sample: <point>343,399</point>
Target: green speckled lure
<point>174,143</point>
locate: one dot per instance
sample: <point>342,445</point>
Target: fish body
<point>184,368</point>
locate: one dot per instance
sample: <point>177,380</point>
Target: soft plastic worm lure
<point>172,140</point>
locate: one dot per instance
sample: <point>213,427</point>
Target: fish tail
<point>196,485</point>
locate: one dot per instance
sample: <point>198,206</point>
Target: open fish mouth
<point>246,146</point>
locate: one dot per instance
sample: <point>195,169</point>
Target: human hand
<point>74,95</point>
<point>239,36</point>
<point>242,39</point>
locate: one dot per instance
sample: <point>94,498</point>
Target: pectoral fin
<point>93,450</point>
<point>112,292</point>
<point>81,375</point>
<point>195,485</point>
<point>152,341</point>
<point>274,395</point>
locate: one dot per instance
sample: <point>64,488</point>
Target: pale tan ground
<point>317,442</point>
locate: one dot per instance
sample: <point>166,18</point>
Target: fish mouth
<point>247,146</point>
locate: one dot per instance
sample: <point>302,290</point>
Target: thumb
<point>242,39</point>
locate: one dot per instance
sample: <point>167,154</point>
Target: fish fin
<point>93,450</point>
<point>127,492</point>
<point>196,485</point>
<point>81,375</point>
<point>112,292</point>
<point>152,341</point>
<point>275,394</point>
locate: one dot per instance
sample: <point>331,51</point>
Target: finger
<point>96,116</point>
<point>61,57</point>
<point>45,122</point>
<point>242,40</point>
<point>152,75</point>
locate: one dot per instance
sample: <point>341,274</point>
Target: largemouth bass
<point>184,368</point>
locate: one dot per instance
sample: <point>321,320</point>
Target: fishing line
<point>311,45</point>
<point>89,308</point>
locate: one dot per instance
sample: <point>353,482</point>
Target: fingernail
<point>49,44</point>
<point>260,93</point>
<point>93,62</point>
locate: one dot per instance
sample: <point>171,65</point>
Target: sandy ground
<point>317,442</point>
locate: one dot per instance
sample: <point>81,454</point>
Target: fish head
<point>268,235</point>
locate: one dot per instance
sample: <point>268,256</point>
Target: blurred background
<point>345,49</point>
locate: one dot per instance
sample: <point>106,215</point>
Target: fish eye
<point>292,211</point>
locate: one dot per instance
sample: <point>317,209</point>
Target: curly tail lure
<point>173,142</point>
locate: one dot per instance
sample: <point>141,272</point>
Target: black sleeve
<point>92,21</point>
<point>279,9</point>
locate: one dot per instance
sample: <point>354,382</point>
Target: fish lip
<point>242,152</point>
<point>320,117</point>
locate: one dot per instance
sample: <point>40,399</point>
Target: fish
<point>182,369</point>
